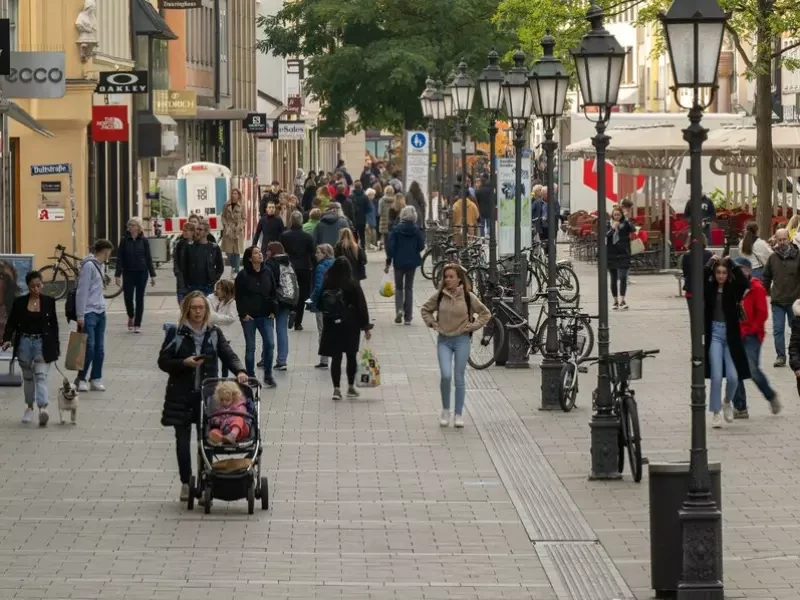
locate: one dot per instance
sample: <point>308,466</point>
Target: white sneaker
<point>444,418</point>
<point>184,492</point>
<point>727,411</point>
<point>83,386</point>
<point>97,385</point>
<point>27,416</point>
<point>458,423</point>
<point>716,420</point>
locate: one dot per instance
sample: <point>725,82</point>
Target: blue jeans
<point>235,260</point>
<point>781,314</point>
<point>282,334</point>
<point>453,350</point>
<point>34,371</point>
<point>266,327</point>
<point>752,347</point>
<point>719,359</point>
<point>134,284</point>
<point>404,292</point>
<point>94,326</point>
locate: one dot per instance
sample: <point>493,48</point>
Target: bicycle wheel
<point>486,344</point>
<point>567,282</point>
<point>110,287</point>
<point>630,413</point>
<point>436,274</point>
<point>55,281</point>
<point>478,277</point>
<point>428,262</point>
<point>622,439</point>
<point>569,386</point>
<point>539,343</point>
<point>585,330</point>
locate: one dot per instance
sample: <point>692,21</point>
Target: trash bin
<point>159,249</point>
<point>669,485</point>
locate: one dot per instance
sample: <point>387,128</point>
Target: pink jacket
<point>226,421</point>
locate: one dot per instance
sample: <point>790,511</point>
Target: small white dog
<point>68,401</point>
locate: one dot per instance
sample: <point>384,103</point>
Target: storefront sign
<point>51,186</point>
<point>35,75</point>
<point>175,103</point>
<point>292,131</point>
<point>59,169</point>
<point>122,82</point>
<point>5,46</point>
<point>256,123</point>
<point>110,123</point>
<point>181,4</point>
<point>51,214</point>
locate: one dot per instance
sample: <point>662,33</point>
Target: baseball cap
<point>742,262</point>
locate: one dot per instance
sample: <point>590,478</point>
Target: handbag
<point>76,351</point>
<point>637,246</point>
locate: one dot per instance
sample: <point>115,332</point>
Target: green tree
<point>373,56</point>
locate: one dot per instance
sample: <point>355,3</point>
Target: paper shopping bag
<point>369,369</point>
<point>76,351</point>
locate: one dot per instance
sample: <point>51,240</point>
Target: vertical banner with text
<point>506,183</point>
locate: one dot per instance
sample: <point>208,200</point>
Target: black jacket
<point>361,206</point>
<point>686,267</point>
<point>256,292</point>
<point>133,255</point>
<point>270,196</point>
<point>619,252</point>
<point>202,264</point>
<point>358,262</point>
<point>308,198</point>
<point>347,207</point>
<point>182,398</point>
<point>178,256</point>
<point>732,293</point>
<point>51,348</point>
<point>485,199</point>
<point>344,337</point>
<point>299,245</point>
<point>269,229</point>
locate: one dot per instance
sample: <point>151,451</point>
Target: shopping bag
<point>76,351</point>
<point>637,246</point>
<point>369,369</point>
<point>387,285</point>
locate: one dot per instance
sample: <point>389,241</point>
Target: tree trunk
<point>763,114</point>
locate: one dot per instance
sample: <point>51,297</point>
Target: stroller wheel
<point>251,498</point>
<point>190,501</point>
<point>264,488</point>
<point>207,499</point>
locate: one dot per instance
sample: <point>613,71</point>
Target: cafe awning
<point>147,21</point>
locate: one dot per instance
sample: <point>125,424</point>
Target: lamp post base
<point>551,383</point>
<point>702,553</point>
<point>605,447</point>
<point>517,350</point>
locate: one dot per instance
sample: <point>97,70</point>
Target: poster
<point>13,269</point>
<point>506,182</point>
<point>417,160</point>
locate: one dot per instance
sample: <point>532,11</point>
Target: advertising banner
<point>506,184</point>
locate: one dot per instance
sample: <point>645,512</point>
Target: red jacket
<point>756,310</point>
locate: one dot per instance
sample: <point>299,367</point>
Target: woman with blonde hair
<point>348,247</point>
<point>324,197</point>
<point>454,312</point>
<point>134,264</point>
<point>189,354</point>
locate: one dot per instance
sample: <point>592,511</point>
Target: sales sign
<point>122,82</point>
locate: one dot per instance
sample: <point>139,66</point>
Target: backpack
<point>71,305</point>
<point>288,289</point>
<point>467,298</point>
<point>333,305</point>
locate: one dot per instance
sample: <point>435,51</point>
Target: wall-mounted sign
<point>51,186</point>
<point>51,214</point>
<point>59,169</point>
<point>175,103</point>
<point>122,82</point>
<point>292,130</point>
<point>110,123</point>
<point>181,4</point>
<point>255,123</point>
<point>5,46</point>
<point>35,75</point>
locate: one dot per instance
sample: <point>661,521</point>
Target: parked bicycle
<point>575,346</point>
<point>56,278</point>
<point>624,367</point>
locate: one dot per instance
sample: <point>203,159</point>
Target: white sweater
<point>761,253</point>
<point>222,314</point>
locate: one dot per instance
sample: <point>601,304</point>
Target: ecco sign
<point>35,75</point>
<point>122,82</point>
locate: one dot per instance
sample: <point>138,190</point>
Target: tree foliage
<point>374,56</point>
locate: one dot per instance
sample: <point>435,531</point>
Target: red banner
<point>110,123</point>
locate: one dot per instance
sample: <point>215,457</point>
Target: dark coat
<point>686,267</point>
<point>308,198</point>
<point>202,264</point>
<point>732,294</point>
<point>485,197</point>
<point>269,230</point>
<point>182,398</point>
<point>347,207</point>
<point>619,253</point>
<point>51,348</point>
<point>300,247</point>
<point>133,255</point>
<point>358,262</point>
<point>361,207</point>
<point>345,337</point>
<point>404,245</point>
<point>328,228</point>
<point>256,292</point>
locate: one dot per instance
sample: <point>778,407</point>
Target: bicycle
<point>624,367</point>
<point>56,278</point>
<point>575,348</point>
<point>442,241</point>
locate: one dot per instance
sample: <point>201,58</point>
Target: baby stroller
<point>230,471</point>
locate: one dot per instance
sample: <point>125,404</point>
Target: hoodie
<point>754,304</point>
<point>404,246</point>
<point>89,293</point>
<point>328,228</point>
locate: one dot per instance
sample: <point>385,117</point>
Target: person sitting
<point>228,428</point>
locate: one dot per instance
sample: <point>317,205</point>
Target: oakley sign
<point>122,82</point>
<point>35,75</point>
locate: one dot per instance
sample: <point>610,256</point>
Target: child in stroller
<point>227,427</point>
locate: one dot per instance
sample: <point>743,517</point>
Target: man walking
<point>783,285</point>
<point>202,263</point>
<point>90,309</point>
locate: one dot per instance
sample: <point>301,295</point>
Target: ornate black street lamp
<point>599,61</point>
<point>693,30</point>
<point>519,104</point>
<point>549,84</point>
<point>490,83</point>
<point>427,102</point>
<point>449,115</point>
<point>463,90</point>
